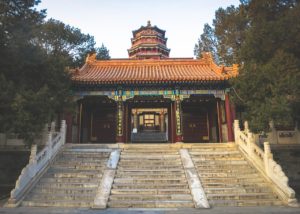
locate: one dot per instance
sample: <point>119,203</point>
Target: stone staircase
<point>71,181</point>
<point>148,137</point>
<point>288,156</point>
<point>228,179</point>
<point>150,176</point>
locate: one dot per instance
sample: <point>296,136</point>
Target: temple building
<point>150,97</point>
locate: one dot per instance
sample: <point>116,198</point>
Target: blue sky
<point>112,21</point>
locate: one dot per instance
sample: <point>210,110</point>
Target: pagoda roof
<point>170,70</point>
<point>149,26</point>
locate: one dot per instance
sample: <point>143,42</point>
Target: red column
<point>120,121</point>
<point>228,118</point>
<point>178,119</point>
<point>219,111</point>
<point>79,121</point>
<point>69,121</point>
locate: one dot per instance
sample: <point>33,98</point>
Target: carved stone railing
<point>38,162</point>
<point>264,162</point>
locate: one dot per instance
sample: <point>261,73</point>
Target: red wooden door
<point>195,127</point>
<point>104,127</point>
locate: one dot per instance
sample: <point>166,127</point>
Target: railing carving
<point>264,162</point>
<point>38,162</point>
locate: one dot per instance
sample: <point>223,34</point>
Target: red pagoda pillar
<point>120,113</point>
<point>219,112</point>
<point>178,119</point>
<point>228,118</point>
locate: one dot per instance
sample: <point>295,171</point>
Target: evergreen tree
<point>34,59</point>
<point>102,53</point>
<point>262,36</point>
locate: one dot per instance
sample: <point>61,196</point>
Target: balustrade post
<point>246,127</point>
<point>236,130</point>
<point>267,156</point>
<point>49,146</point>
<point>63,131</point>
<point>32,159</point>
<point>52,127</point>
<point>273,137</point>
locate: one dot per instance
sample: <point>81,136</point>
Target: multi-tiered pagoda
<point>148,42</point>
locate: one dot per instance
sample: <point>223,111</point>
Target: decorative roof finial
<point>148,23</point>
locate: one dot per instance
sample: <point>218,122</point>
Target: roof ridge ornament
<point>148,23</point>
<point>207,57</point>
<point>91,57</point>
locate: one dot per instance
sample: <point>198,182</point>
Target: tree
<point>58,38</point>
<point>263,38</point>
<point>207,43</point>
<point>271,63</point>
<point>225,38</point>
<point>34,58</point>
<point>102,53</point>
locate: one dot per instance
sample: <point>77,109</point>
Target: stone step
<point>244,180</point>
<point>67,185</point>
<point>144,197</point>
<point>149,157</point>
<point>198,162</point>
<point>60,196</point>
<point>150,204</point>
<point>146,162</point>
<point>70,180</point>
<point>238,189</point>
<point>150,180</point>
<point>73,170</point>
<point>237,203</point>
<point>139,164</point>
<point>87,159</point>
<point>228,175</point>
<point>73,174</point>
<point>150,191</point>
<point>166,168</point>
<point>62,190</point>
<point>241,196</point>
<point>150,151</point>
<point>58,203</point>
<point>219,184</point>
<point>150,172</point>
<point>85,153</point>
<point>149,176</point>
<point>78,167</point>
<point>158,186</point>
<point>214,153</point>
<point>228,170</point>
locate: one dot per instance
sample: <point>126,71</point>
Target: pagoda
<point>148,42</point>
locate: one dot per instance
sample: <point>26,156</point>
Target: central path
<point>150,177</point>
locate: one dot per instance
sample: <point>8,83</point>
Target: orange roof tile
<point>129,71</point>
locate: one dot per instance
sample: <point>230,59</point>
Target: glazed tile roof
<point>129,71</point>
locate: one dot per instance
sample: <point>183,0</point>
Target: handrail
<point>38,162</point>
<point>264,162</point>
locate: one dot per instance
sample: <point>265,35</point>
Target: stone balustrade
<point>263,160</point>
<point>38,162</point>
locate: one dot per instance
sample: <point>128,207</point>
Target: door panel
<point>103,127</point>
<point>195,127</point>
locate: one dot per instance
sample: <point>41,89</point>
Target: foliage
<point>102,53</point>
<point>263,37</point>
<point>58,38</point>
<point>34,57</point>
